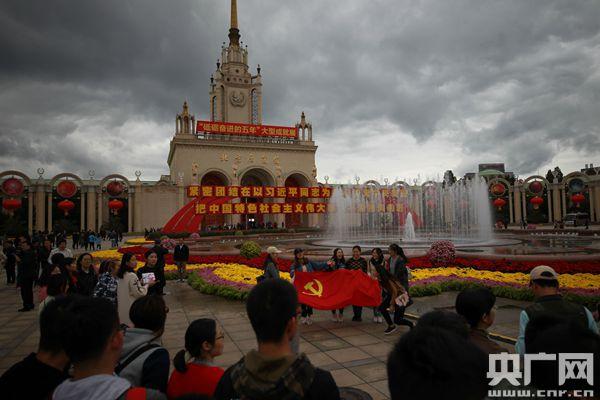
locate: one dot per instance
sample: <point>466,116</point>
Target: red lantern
<point>115,188</point>
<point>66,206</point>
<point>498,189</point>
<point>536,187</point>
<point>115,205</point>
<point>499,203</point>
<point>13,187</point>
<point>537,201</point>
<point>577,198</point>
<point>66,189</point>
<point>11,205</point>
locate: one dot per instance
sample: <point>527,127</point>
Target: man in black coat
<point>11,261</point>
<point>181,256</point>
<point>26,274</point>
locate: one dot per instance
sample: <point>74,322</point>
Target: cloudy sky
<point>393,88</point>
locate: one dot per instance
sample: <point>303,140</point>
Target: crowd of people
<point>101,333</point>
<point>86,351</point>
<point>392,275</point>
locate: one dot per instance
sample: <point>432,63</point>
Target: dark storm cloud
<point>96,84</point>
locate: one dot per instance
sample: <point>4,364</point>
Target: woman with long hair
<point>197,375</point>
<point>107,281</point>
<point>86,275</point>
<point>391,287</point>
<point>337,261</point>
<point>150,269</point>
<point>397,265</point>
<point>303,264</point>
<point>129,287</point>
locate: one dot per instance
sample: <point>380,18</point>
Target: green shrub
<point>196,282</point>
<point>250,249</point>
<point>239,233</point>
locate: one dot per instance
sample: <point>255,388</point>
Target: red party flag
<point>337,289</point>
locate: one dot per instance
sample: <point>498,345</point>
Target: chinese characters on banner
<point>261,208</point>
<point>228,128</point>
<point>259,191</point>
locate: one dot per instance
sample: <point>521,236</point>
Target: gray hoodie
<point>97,387</point>
<point>151,368</point>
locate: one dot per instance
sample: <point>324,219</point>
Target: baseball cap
<point>543,272</point>
<point>273,250</point>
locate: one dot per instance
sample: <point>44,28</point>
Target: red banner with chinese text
<point>229,128</point>
<point>261,208</point>
<point>259,191</point>
<point>337,289</point>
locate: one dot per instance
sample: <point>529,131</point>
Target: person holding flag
<point>302,264</point>
<point>337,262</point>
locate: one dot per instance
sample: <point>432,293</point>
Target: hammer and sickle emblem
<point>312,291</point>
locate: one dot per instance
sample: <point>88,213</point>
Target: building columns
<point>517,203</point>
<point>591,201</point>
<point>100,206</point>
<point>130,210</point>
<point>91,208</point>
<point>549,200</point>
<point>49,205</point>
<point>511,217</point>
<point>82,212</point>
<point>137,208</point>
<point>40,208</point>
<point>30,200</point>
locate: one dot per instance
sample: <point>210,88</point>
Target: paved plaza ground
<point>354,352</point>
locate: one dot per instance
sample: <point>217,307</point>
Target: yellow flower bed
<point>112,254</point>
<point>581,281</point>
<point>138,241</point>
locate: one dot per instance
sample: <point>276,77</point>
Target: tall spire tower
<point>235,94</point>
<point>234,32</point>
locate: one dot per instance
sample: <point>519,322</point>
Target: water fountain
<point>415,216</point>
<point>409,229</point>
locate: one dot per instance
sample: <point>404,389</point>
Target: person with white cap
<point>543,282</point>
<point>270,264</point>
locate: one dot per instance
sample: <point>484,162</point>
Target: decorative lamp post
<point>536,202</point>
<point>10,205</point>
<point>577,199</point>
<point>499,203</point>
<point>66,206</point>
<point>115,205</point>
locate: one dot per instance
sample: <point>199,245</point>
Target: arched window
<point>223,103</point>
<point>254,100</point>
<point>213,108</point>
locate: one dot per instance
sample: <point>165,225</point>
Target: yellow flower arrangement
<point>580,281</point>
<point>138,241</point>
<point>112,254</point>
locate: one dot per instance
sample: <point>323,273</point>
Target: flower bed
<point>232,276</point>
<point>256,262</point>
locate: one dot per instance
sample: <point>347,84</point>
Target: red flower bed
<point>562,267</point>
<point>256,262</point>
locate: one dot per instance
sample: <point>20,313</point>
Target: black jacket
<point>181,253</point>
<point>27,268</point>
<point>161,281</point>
<point>86,282</point>
<point>400,272</point>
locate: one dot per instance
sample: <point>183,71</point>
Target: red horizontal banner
<point>337,289</point>
<point>372,207</point>
<point>229,128</point>
<point>259,191</point>
<point>261,208</point>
